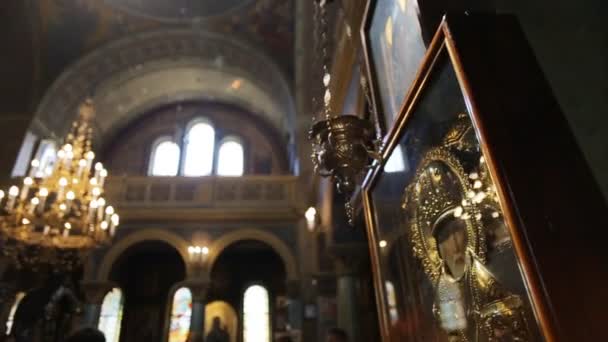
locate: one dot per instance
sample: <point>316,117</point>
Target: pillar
<point>348,260</point>
<point>199,289</point>
<point>294,308</point>
<point>95,292</point>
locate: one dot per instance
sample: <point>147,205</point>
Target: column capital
<point>95,291</point>
<point>199,289</point>
<point>349,258</point>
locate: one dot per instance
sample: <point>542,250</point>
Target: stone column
<point>95,292</point>
<point>294,308</point>
<point>199,290</point>
<point>348,260</point>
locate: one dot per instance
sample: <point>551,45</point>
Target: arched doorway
<point>238,267</point>
<point>224,313</point>
<point>146,272</point>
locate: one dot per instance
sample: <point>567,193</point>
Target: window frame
<point>226,139</point>
<point>184,145</point>
<point>170,305</point>
<point>152,159</point>
<point>270,309</point>
<point>119,314</point>
<point>219,140</point>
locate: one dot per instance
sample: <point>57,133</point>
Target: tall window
<point>198,154</point>
<point>46,155</point>
<point>256,314</point>
<point>11,314</point>
<point>181,312</point>
<point>111,315</point>
<point>230,157</point>
<point>164,160</point>
<point>200,145</point>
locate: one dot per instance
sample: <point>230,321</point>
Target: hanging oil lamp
<point>343,146</point>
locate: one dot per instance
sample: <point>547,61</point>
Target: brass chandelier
<point>56,218</point>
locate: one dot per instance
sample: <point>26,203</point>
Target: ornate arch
<point>128,77</point>
<point>109,258</point>
<point>219,245</point>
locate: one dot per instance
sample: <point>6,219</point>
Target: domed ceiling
<point>71,29</point>
<point>178,10</point>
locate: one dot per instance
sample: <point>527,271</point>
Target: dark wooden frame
<point>368,67</point>
<point>556,219</point>
<point>370,72</point>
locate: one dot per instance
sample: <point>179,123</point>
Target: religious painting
<point>394,47</point>
<point>110,317</point>
<point>221,322</point>
<point>445,266</point>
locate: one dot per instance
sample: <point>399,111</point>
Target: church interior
<point>303,170</point>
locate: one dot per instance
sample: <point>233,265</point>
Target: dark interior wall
<point>130,150</point>
<point>570,40</point>
<point>18,66</point>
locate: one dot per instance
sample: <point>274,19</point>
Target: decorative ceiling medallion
<point>177,10</point>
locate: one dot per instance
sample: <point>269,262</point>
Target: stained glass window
<point>111,315</point>
<point>165,158</point>
<point>11,315</point>
<point>200,145</point>
<point>181,313</point>
<point>230,158</point>
<point>256,315</point>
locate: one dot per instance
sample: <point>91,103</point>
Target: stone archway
<point>288,258</point>
<point>177,242</point>
<point>132,75</point>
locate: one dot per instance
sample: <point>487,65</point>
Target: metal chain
<point>316,44</point>
<point>365,87</point>
<point>320,32</point>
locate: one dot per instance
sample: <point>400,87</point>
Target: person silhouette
<point>217,333</point>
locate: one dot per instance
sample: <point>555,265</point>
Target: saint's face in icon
<point>451,236</point>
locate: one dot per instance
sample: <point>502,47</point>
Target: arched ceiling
<point>178,10</point>
<point>133,75</point>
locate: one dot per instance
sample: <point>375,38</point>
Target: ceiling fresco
<point>70,29</point>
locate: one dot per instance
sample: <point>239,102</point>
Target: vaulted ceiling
<point>132,55</point>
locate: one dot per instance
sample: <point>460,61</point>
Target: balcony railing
<point>148,197</point>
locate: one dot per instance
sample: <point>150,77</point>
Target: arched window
<point>164,160</point>
<point>111,315</point>
<point>11,314</point>
<point>230,157</point>
<point>256,314</point>
<point>46,155</point>
<point>199,148</point>
<point>181,313</point>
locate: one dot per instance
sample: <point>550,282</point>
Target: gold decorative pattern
<point>470,305</point>
<point>428,200</point>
